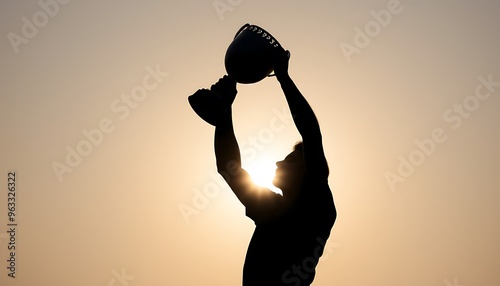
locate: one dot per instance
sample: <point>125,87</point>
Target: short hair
<point>298,146</point>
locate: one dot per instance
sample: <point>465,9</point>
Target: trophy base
<point>209,105</point>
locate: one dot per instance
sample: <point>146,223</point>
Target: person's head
<point>290,171</point>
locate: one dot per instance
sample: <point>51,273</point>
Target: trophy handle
<point>241,29</point>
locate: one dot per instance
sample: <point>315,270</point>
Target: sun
<point>262,172</point>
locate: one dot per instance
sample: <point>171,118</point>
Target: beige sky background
<point>116,179</point>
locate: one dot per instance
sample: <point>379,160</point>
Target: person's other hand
<point>226,87</point>
<point>281,65</point>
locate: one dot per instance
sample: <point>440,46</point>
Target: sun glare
<point>262,172</point>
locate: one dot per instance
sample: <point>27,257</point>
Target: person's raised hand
<point>226,87</point>
<point>281,65</point>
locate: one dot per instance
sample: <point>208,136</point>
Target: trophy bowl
<point>249,59</point>
<point>251,55</point>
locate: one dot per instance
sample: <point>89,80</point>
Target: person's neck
<point>290,195</point>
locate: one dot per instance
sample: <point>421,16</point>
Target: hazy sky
<point>115,174</point>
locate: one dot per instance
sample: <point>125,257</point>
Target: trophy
<point>249,58</point>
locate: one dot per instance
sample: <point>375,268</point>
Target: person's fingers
<point>225,85</point>
<point>283,57</point>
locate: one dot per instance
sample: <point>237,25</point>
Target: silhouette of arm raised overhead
<point>228,157</point>
<point>227,151</point>
<point>304,119</point>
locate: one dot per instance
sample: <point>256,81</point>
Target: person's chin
<point>277,182</point>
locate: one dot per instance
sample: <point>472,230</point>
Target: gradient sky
<point>402,98</point>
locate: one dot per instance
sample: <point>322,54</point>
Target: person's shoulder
<point>316,182</point>
<point>265,205</point>
<point>319,194</point>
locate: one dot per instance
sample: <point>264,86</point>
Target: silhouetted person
<point>291,229</point>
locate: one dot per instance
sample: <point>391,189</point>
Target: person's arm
<point>261,203</point>
<point>305,120</point>
<point>227,151</point>
<point>228,158</point>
